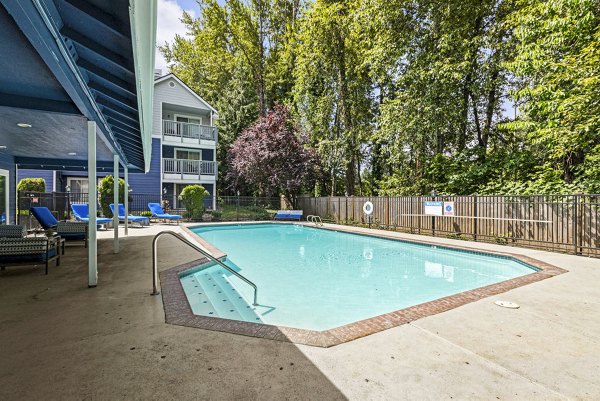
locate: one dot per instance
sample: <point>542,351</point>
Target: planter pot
<point>207,217</point>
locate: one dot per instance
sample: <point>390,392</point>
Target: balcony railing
<point>181,131</point>
<point>185,167</point>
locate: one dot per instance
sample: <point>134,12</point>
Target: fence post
<point>574,225</point>
<point>433,219</point>
<point>475,218</point>
<point>346,214</point>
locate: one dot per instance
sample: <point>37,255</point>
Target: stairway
<point>211,293</point>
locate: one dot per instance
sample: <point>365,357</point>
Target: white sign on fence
<point>448,208</point>
<point>434,208</point>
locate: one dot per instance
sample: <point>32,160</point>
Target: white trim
<point>6,174</point>
<point>53,180</point>
<point>171,75</point>
<point>92,195</point>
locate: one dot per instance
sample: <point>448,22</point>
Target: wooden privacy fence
<point>563,223</point>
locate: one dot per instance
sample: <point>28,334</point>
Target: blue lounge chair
<point>141,220</point>
<point>159,213</point>
<point>81,212</point>
<point>288,215</point>
<point>69,230</point>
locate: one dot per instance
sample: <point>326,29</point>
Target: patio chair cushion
<point>44,216</point>
<point>12,231</point>
<point>82,212</point>
<point>288,214</point>
<point>157,211</point>
<point>137,219</point>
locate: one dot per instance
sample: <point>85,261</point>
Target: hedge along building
<point>75,92</point>
<point>184,141</point>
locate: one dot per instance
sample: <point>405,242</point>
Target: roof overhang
<point>78,60</point>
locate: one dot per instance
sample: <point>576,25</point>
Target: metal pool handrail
<point>197,248</point>
<point>314,219</point>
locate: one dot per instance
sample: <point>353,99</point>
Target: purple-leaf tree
<point>270,157</point>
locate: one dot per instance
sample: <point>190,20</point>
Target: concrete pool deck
<point>61,340</point>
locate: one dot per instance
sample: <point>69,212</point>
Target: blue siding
<point>148,183</point>
<point>208,154</point>
<point>168,152</point>
<point>209,188</point>
<point>7,162</point>
<point>47,175</point>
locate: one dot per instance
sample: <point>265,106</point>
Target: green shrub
<point>32,185</point>
<point>106,194</point>
<point>146,213</point>
<point>192,198</point>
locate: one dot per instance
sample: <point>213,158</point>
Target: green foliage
<point>106,194</point>
<point>32,185</point>
<point>192,198</point>
<point>234,213</point>
<point>402,97</point>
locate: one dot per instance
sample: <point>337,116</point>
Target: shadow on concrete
<point>61,340</point>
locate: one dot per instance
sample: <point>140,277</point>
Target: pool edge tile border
<point>178,311</point>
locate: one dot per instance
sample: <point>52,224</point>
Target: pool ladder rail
<point>315,219</point>
<point>197,248</point>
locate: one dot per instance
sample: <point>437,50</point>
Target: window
<point>79,184</point>
<point>187,154</point>
<point>189,120</point>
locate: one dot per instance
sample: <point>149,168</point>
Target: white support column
<point>116,203</point>
<point>92,202</point>
<point>126,198</point>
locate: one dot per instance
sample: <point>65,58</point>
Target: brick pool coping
<point>178,310</point>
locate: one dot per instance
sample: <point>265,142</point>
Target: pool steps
<point>216,296</point>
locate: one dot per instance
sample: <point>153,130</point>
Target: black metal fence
<point>562,223</point>
<point>226,208</point>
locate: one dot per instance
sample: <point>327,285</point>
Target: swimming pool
<point>318,279</point>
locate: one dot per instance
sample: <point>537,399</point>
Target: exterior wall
<point>208,154</point>
<point>169,114</point>
<point>47,175</point>
<point>169,152</point>
<point>178,94</point>
<point>7,162</point>
<point>149,183</point>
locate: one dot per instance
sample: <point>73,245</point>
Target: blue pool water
<point>319,279</point>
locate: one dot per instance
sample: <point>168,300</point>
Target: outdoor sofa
<point>18,250</point>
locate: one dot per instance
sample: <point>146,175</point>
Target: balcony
<point>187,133</point>
<point>185,170</point>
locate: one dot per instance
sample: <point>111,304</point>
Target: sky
<point>169,24</point>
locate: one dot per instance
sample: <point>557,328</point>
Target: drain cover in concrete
<point>507,304</point>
